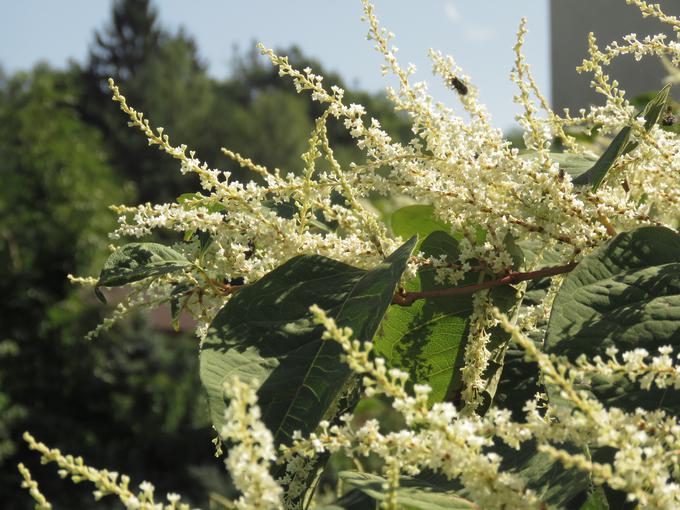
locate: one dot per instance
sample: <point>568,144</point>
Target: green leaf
<point>597,500</point>
<point>596,174</point>
<point>416,220</point>
<point>621,143</point>
<point>480,235</point>
<point>548,478</point>
<point>427,338</point>
<point>137,261</point>
<point>655,107</point>
<point>205,240</point>
<point>185,197</point>
<point>353,500</point>
<point>265,333</point>
<point>521,377</point>
<point>625,294</point>
<point>572,164</point>
<point>288,210</point>
<point>411,494</point>
<point>537,255</point>
<point>556,486</point>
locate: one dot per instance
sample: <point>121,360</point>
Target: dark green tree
<point>162,76</point>
<point>122,48</point>
<point>131,399</point>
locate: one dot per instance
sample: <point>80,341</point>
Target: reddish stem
<point>407,298</point>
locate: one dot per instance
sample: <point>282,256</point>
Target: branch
<point>407,298</point>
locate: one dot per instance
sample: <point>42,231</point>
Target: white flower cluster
<point>638,366</point>
<point>464,168</point>
<point>31,485</point>
<point>105,482</point>
<point>251,449</point>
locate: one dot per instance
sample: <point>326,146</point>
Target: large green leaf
<point>515,251</point>
<point>427,338</point>
<point>621,143</point>
<point>137,261</point>
<point>625,294</point>
<point>411,495</point>
<point>416,220</point>
<point>266,334</point>
<point>572,164</point>
<point>555,485</point>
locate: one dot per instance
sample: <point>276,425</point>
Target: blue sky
<point>479,35</point>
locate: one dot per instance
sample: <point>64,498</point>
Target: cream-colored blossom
<point>105,482</point>
<point>252,449</point>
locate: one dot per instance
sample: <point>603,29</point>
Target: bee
<point>460,87</point>
<point>669,118</point>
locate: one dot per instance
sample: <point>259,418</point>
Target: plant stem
<point>407,298</point>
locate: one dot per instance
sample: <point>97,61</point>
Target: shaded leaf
<point>205,240</point>
<point>621,143</point>
<point>412,494</point>
<point>100,295</point>
<point>521,377</point>
<point>504,298</point>
<point>427,339</point>
<point>353,500</point>
<point>137,261</point>
<point>597,500</point>
<point>514,250</point>
<point>596,174</point>
<point>573,164</point>
<point>288,209</point>
<point>548,478</point>
<point>652,111</point>
<point>265,333</point>
<point>626,295</point>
